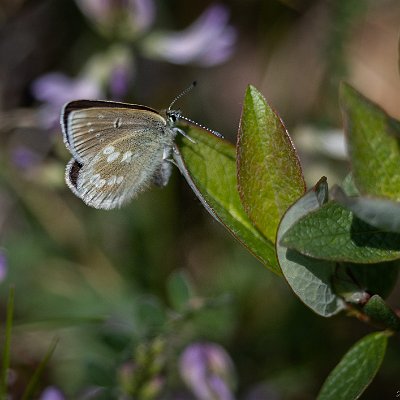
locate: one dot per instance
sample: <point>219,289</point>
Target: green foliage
<point>334,249</point>
<point>309,278</point>
<point>210,169</point>
<point>356,370</point>
<point>179,291</point>
<point>314,234</point>
<point>373,143</point>
<point>382,213</point>
<point>334,233</point>
<point>380,313</point>
<point>269,172</point>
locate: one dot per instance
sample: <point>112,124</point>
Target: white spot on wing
<point>127,156</point>
<point>109,150</point>
<point>95,178</point>
<point>112,180</point>
<point>100,183</point>
<point>113,156</point>
<point>119,180</point>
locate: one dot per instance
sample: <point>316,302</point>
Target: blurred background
<point>131,294</point>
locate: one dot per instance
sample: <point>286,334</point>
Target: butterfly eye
<point>173,115</point>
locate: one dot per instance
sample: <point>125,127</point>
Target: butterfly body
<point>117,149</point>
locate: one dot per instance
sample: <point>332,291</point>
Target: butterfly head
<point>173,116</point>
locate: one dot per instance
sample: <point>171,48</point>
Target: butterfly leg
<point>183,133</point>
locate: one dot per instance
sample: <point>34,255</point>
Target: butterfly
<point>118,149</point>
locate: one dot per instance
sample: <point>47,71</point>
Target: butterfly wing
<point>88,125</point>
<point>117,151</point>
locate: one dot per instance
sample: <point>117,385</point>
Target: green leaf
<point>381,313</point>
<point>179,290</point>
<point>373,144</point>
<point>209,166</point>
<point>309,278</point>
<point>382,213</point>
<point>269,172</point>
<point>333,233</point>
<point>356,370</point>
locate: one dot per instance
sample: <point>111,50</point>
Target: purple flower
<point>208,371</point>
<point>144,13</point>
<point>208,41</point>
<point>125,18</point>
<point>55,89</point>
<point>52,393</point>
<point>3,266</point>
<point>120,77</point>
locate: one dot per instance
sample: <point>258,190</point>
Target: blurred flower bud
<point>119,78</point>
<point>152,389</point>
<point>24,158</point>
<point>207,41</point>
<point>113,70</point>
<point>208,371</point>
<point>124,19</point>
<point>51,393</point>
<point>126,376</point>
<point>3,266</point>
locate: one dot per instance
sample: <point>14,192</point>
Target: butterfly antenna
<point>188,89</point>
<point>215,133</point>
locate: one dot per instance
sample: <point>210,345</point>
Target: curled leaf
<point>309,278</point>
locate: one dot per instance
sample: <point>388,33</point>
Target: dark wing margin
<point>82,104</point>
<point>71,175</point>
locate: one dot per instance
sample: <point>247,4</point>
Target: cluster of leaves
<point>338,249</point>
